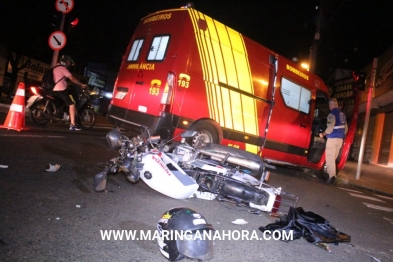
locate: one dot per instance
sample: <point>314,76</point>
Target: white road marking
<point>104,126</point>
<point>367,197</point>
<point>390,198</point>
<point>378,207</point>
<point>33,136</point>
<point>350,190</point>
<point>389,219</point>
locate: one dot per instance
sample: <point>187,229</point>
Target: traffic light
<point>74,22</point>
<point>70,24</point>
<point>360,80</point>
<point>56,20</point>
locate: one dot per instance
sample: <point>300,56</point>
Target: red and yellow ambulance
<point>184,70</point>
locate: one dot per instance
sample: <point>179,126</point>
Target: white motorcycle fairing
<point>162,174</point>
<point>33,99</point>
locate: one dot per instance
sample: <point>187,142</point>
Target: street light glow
<point>305,65</point>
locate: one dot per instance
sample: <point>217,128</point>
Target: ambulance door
<point>155,65</point>
<point>290,128</point>
<point>318,144</point>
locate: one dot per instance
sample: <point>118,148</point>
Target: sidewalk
<point>372,177</point>
<point>376,178</point>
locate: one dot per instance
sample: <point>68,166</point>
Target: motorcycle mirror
<point>100,181</point>
<point>115,139</point>
<point>189,134</point>
<point>184,135</point>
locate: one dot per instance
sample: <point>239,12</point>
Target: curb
<point>350,182</point>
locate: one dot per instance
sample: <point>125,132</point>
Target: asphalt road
<point>57,216</point>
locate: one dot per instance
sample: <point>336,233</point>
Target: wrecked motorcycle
<point>207,171</point>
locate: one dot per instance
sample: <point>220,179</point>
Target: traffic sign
<point>57,40</point>
<point>64,6</point>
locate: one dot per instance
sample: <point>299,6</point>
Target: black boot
<point>331,180</point>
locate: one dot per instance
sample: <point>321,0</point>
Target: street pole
<point>56,52</point>
<point>367,117</point>
<point>314,49</point>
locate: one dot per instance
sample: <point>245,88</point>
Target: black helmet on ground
<point>185,233</point>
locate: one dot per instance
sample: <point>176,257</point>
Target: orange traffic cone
<point>16,115</point>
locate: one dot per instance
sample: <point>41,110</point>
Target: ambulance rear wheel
<point>207,131</point>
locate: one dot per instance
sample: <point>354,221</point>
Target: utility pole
<point>314,47</point>
<point>367,117</point>
<point>56,52</point>
<point>64,7</point>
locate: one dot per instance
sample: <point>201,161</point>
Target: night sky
<point>353,32</point>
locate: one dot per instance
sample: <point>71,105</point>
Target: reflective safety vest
<point>339,127</point>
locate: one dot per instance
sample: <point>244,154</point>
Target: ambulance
<point>183,70</point>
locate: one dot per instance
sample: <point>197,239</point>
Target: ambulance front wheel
<point>207,130</point>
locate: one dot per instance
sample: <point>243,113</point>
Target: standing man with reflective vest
<point>335,132</point>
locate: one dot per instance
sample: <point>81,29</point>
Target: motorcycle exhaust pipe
<point>250,164</point>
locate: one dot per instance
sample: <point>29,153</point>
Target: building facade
<point>378,147</point>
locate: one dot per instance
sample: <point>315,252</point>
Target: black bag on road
<point>314,228</point>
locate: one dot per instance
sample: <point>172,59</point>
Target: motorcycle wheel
<point>37,113</point>
<point>87,118</point>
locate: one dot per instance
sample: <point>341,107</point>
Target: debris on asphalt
<point>239,221</point>
<point>324,246</point>
<point>3,166</point>
<point>53,168</point>
<point>78,206</point>
<point>375,259</point>
<point>256,211</point>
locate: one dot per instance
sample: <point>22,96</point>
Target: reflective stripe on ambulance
<point>224,60</point>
